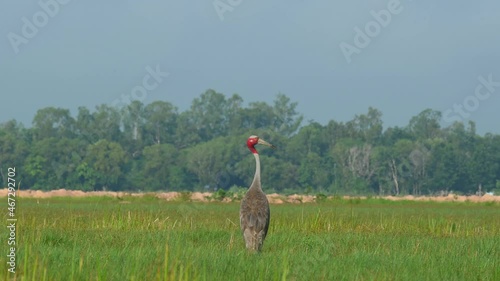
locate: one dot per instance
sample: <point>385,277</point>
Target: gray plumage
<point>254,210</point>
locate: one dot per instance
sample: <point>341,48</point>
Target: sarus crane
<point>254,210</point>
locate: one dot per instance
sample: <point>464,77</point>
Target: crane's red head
<point>254,140</point>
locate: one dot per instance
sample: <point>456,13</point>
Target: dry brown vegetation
<point>273,198</point>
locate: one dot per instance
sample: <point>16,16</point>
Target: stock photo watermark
<point>363,37</point>
<point>31,26</point>
<point>11,219</point>
<point>150,82</point>
<point>223,6</point>
<point>482,92</point>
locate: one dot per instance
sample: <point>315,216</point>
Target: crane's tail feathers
<point>253,240</point>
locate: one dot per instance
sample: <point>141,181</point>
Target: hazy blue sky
<point>84,53</point>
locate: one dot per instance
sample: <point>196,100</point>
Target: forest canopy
<point>155,147</point>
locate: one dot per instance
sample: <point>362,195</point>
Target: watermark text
<point>150,82</point>
<point>482,92</point>
<point>363,38</point>
<point>223,6</point>
<point>11,219</point>
<point>30,27</point>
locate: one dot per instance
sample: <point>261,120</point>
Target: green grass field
<point>103,238</point>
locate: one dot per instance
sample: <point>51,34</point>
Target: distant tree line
<point>154,147</point>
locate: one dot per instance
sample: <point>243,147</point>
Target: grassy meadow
<point>104,238</point>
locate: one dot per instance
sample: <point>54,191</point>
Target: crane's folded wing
<point>255,220</point>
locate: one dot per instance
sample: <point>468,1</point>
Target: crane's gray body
<point>255,213</point>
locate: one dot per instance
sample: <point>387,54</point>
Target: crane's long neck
<point>256,178</point>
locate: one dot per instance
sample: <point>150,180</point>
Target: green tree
<point>419,160</point>
<point>159,164</point>
<point>161,122</point>
<point>107,159</point>
<point>133,118</point>
<point>209,113</point>
<point>368,126</point>
<point>425,125</point>
<point>313,173</point>
<point>258,115</point>
<point>393,134</point>
<point>13,147</point>
<point>84,126</point>
<point>234,115</point>
<point>400,165</point>
<point>443,171</point>
<point>485,163</point>
<point>276,175</point>
<point>209,161</point>
<point>155,147</point>
<point>52,162</point>
<point>106,124</point>
<point>353,169</point>
<point>87,177</point>
<point>53,122</point>
<point>385,183</point>
<point>186,133</point>
<point>336,131</point>
<point>37,176</point>
<point>309,139</point>
<point>286,118</point>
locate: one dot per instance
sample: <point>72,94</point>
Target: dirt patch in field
<point>275,198</point>
<point>199,196</point>
<point>449,198</point>
<point>168,195</point>
<point>205,196</point>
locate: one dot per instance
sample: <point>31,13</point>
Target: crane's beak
<point>261,141</point>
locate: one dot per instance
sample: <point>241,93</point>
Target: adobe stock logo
<point>30,28</point>
<point>150,82</point>
<point>372,29</point>
<point>463,110</point>
<point>223,6</point>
